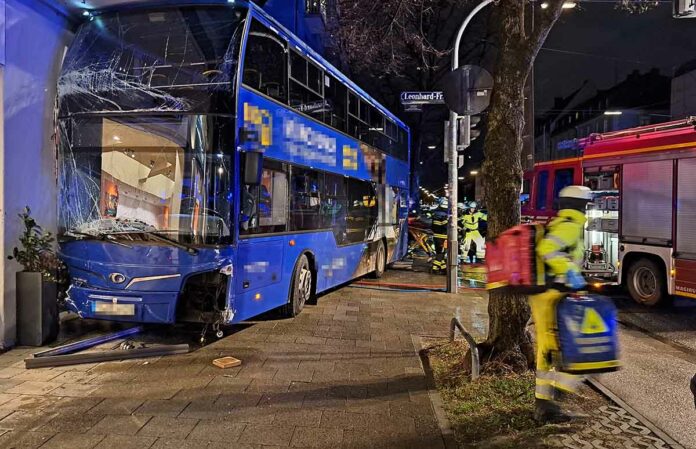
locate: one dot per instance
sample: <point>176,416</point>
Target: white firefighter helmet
<point>443,202</point>
<point>473,205</point>
<point>461,206</point>
<point>577,192</point>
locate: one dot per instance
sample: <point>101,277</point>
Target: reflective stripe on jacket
<point>562,246</point>
<point>471,221</point>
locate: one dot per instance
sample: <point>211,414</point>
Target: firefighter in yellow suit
<point>562,250</point>
<point>470,222</point>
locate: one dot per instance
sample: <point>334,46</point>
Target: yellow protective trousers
<point>548,378</point>
<point>477,238</point>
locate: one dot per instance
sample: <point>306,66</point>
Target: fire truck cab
<point>641,229</point>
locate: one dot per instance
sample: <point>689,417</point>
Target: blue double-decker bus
<point>211,167</point>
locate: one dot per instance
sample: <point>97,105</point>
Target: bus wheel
<point>301,288</point>
<point>380,261</point>
<point>646,283</point>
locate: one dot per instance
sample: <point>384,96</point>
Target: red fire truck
<point>641,230</point>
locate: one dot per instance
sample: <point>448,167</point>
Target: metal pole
<point>452,241</point>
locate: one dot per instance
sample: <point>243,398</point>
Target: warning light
<point>672,272</point>
<point>257,297</point>
<point>292,243</point>
<point>597,285</point>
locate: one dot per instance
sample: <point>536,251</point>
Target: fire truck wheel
<point>646,283</point>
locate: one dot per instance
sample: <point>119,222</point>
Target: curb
<point>435,399</point>
<point>647,423</point>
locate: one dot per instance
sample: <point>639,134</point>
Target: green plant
<point>36,253</point>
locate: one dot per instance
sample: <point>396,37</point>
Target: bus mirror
<point>253,165</point>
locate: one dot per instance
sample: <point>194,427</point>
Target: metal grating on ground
<point>611,427</point>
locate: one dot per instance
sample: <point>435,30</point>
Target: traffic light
<point>467,130</point>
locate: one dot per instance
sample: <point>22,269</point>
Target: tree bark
<point>508,339</point>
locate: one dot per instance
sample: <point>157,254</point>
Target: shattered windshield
<point>174,59</point>
<point>170,175</point>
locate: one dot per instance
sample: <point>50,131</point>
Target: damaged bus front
<point>147,163</point>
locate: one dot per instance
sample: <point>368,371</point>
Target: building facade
<point>641,99</point>
<point>684,91</point>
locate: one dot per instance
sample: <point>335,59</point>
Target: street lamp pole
<point>452,241</point>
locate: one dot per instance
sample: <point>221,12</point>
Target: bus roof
<point>264,16</point>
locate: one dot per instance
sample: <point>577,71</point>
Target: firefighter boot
<point>548,412</point>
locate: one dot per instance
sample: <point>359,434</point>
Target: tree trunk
<point>508,339</point>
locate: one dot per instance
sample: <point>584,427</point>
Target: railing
<point>475,364</point>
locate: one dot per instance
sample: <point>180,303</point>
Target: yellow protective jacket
<point>562,247</point>
<point>470,221</point>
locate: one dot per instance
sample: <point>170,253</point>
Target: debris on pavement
<point>227,362</point>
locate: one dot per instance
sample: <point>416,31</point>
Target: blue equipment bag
<point>587,334</point>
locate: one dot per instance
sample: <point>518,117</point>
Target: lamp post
<point>452,241</point>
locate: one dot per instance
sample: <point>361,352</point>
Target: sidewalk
<point>344,374</point>
<point>654,381</point>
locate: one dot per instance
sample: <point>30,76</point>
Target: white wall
<point>35,41</point>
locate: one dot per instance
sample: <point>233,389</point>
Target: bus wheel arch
<point>311,258</point>
<point>646,279</point>
<point>380,258</point>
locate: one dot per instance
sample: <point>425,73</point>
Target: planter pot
<point>37,310</point>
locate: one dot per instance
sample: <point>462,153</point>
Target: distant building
<point>641,99</point>
<point>684,91</point>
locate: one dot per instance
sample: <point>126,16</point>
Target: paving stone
<point>7,373</point>
<point>23,440</point>
<point>32,387</point>
<point>267,435</point>
<point>118,406</point>
<point>37,375</point>
<point>217,431</point>
<point>157,407</point>
<point>169,443</point>
<point>162,426</point>
<point>30,402</point>
<point>293,417</point>
<point>25,420</point>
<point>74,390</point>
<point>205,409</point>
<point>315,437</point>
<point>125,442</point>
<point>73,441</point>
<point>74,421</point>
<point>120,424</point>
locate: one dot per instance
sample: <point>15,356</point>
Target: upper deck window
<point>265,66</point>
<point>172,59</point>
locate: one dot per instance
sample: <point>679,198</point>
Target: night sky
<point>612,44</point>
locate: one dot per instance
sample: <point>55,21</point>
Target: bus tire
<point>646,283</point>
<point>300,288</point>
<point>380,260</point>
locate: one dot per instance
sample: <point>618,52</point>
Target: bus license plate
<point>108,308</point>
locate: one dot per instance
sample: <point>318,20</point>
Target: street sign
<point>468,90</point>
<point>413,108</point>
<point>409,98</point>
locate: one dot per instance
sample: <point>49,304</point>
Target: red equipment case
<point>513,263</point>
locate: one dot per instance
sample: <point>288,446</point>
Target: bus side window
<point>362,210</point>
<point>306,86</point>
<point>542,181</point>
<point>265,64</point>
<point>334,205</point>
<point>305,200</point>
<point>335,95</point>
<point>264,208</point>
<point>562,178</point>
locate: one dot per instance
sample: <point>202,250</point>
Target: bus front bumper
<point>133,306</point>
